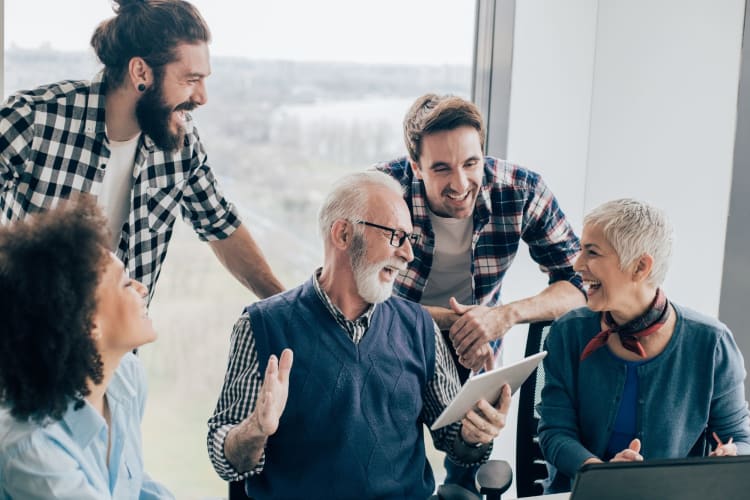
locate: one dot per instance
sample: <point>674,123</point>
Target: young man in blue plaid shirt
<point>127,138</point>
<point>470,212</point>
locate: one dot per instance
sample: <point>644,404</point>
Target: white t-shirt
<point>450,274</point>
<point>117,185</point>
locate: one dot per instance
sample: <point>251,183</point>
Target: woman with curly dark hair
<point>71,391</point>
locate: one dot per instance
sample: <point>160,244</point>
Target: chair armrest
<point>494,478</point>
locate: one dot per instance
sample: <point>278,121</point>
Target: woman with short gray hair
<point>634,376</point>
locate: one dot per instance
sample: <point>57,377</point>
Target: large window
<point>301,92</point>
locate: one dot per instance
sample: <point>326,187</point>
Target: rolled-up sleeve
<point>239,394</point>
<point>552,243</point>
<point>203,204</point>
<point>16,135</point>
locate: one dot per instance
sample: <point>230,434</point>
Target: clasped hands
<point>474,328</point>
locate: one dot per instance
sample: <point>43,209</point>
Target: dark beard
<point>153,114</point>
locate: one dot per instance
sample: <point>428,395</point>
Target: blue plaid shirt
<point>53,144</point>
<point>513,204</point>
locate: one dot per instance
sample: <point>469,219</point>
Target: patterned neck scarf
<point>630,333</point>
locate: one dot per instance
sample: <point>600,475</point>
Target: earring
<point>141,87</point>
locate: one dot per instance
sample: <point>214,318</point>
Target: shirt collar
<point>85,423</point>
<point>95,111</point>
<point>333,309</point>
<point>94,125</point>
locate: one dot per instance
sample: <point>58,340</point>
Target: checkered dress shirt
<point>513,204</point>
<point>243,381</point>
<point>53,144</point>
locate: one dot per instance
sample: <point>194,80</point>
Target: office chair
<point>237,491</point>
<point>531,469</point>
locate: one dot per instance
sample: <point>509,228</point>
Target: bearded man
<point>127,138</point>
<point>370,369</point>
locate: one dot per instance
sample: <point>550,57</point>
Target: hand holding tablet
<point>487,386</point>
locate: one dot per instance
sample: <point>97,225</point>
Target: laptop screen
<point>685,479</point>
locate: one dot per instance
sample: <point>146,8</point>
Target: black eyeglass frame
<point>400,239</point>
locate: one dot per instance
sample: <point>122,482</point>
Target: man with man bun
<point>127,138</point>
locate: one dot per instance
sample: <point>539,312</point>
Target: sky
<point>378,31</point>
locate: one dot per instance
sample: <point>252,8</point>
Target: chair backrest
<point>237,491</point>
<point>531,468</point>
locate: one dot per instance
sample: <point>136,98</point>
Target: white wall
<point>662,125</point>
<point>635,98</point>
<point>553,64</point>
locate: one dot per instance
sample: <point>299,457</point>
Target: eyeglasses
<point>398,237</point>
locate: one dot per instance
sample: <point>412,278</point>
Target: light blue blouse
<point>67,459</point>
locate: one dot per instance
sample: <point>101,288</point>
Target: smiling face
<point>121,319</point>
<point>375,262</point>
<point>178,88</point>
<point>608,287</point>
<point>451,165</point>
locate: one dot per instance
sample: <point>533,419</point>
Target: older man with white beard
<point>371,369</point>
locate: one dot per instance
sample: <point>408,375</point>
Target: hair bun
<point>122,5</point>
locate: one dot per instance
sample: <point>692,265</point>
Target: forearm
<point>465,453</point>
<point>566,453</point>
<point>442,316</point>
<point>551,303</point>
<point>560,435</point>
<point>448,439</point>
<point>729,419</point>
<point>238,397</point>
<point>243,258</point>
<point>245,444</point>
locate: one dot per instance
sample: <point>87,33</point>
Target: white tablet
<point>487,386</point>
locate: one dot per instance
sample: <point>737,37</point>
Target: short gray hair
<point>349,198</point>
<point>635,228</point>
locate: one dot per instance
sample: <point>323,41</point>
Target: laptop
<point>700,478</point>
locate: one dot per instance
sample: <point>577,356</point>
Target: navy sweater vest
<point>352,425</point>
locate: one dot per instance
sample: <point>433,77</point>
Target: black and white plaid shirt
<point>243,381</point>
<point>53,144</point>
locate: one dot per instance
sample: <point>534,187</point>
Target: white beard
<point>369,286</point>
<point>367,276</point>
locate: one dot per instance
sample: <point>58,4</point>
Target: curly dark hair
<point>50,266</point>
